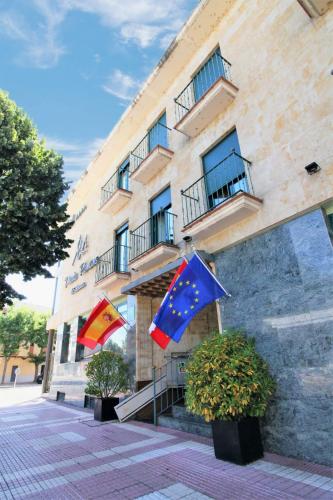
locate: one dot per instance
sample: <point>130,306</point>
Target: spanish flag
<point>103,321</point>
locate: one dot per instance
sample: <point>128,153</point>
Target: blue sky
<point>75,65</point>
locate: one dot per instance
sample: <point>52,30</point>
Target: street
<point>55,451</point>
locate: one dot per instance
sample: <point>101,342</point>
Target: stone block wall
<point>282,294</point>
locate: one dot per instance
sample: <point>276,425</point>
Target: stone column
<point>144,348</point>
<point>72,340</point>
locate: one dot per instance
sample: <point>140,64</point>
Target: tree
<point>11,335</point>
<point>33,219</point>
<point>21,326</point>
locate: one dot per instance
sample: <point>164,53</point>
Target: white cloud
<point>77,155</point>
<point>41,47</point>
<point>142,22</point>
<point>121,85</point>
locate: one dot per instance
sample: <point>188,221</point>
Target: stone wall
<point>282,294</point>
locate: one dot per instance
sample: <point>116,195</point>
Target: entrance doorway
<point>12,375</point>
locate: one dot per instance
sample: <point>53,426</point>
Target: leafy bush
<point>107,374</point>
<point>227,379</point>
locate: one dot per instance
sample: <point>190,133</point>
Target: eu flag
<point>195,288</point>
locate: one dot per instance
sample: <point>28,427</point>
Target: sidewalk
<point>23,393</point>
<point>50,451</point>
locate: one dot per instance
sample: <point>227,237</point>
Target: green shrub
<point>227,379</point>
<point>107,374</point>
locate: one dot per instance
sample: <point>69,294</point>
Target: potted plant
<point>229,384</point>
<point>107,375</point>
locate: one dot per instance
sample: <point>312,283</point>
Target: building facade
<point>20,366</point>
<point>227,150</point>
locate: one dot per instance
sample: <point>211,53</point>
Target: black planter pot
<point>104,409</point>
<point>237,442</point>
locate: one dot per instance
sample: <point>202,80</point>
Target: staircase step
<point>185,425</point>
<point>180,412</point>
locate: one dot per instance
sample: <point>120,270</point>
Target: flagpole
<point>211,273</point>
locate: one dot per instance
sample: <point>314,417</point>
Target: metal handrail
<point>111,185</point>
<point>187,98</point>
<point>142,150</point>
<point>228,177</point>
<point>157,229</point>
<point>113,260</point>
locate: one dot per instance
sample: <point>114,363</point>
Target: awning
<point>155,284</point>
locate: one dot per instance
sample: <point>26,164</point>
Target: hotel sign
<point>81,249</point>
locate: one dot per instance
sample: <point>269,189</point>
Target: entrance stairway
<point>179,418</point>
<point>166,389</point>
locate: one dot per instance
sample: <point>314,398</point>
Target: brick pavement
<point>50,451</point>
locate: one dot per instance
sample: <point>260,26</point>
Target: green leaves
<point>33,221</point>
<point>107,374</point>
<point>227,379</point>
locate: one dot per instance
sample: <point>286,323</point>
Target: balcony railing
<point>157,229</point>
<point>215,67</point>
<point>119,180</point>
<point>158,136</point>
<point>223,181</point>
<point>115,260</point>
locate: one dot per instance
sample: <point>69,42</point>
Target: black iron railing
<point>158,136</point>
<point>157,229</point>
<point>215,67</point>
<point>119,180</point>
<point>223,181</point>
<point>114,260</point>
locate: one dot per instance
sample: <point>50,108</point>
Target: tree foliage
<point>33,219</point>
<point>107,374</point>
<point>20,326</point>
<point>227,379</point>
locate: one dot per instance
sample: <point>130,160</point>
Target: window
<point>224,170</point>
<point>161,218</point>
<point>79,353</point>
<point>328,210</point>
<point>121,249</point>
<point>118,340</point>
<point>65,343</point>
<point>158,134</point>
<point>123,175</point>
<point>207,75</point>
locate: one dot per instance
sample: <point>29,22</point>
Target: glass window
<point>225,173</point>
<point>207,75</point>
<point>65,343</point>
<point>121,249</point>
<point>123,175</point>
<point>79,353</point>
<point>117,341</point>
<point>162,218</point>
<point>158,134</point>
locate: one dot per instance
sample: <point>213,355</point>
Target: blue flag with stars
<point>195,288</point>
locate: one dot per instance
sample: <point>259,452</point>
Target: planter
<point>104,409</point>
<point>237,442</point>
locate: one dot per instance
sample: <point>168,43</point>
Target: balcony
<point>315,8</point>
<point>115,193</point>
<point>151,155</point>
<point>220,198</point>
<point>207,95</point>
<point>112,267</point>
<point>153,242</point>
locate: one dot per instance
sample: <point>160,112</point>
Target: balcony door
<point>121,249</point>
<point>161,229</point>
<point>224,170</point>
<point>123,175</point>
<point>207,75</point>
<point>158,134</point>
